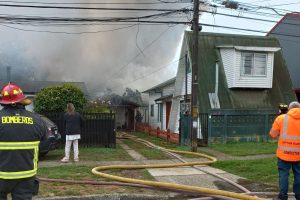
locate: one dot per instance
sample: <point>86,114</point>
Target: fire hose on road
<point>99,171</point>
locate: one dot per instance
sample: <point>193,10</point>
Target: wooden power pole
<point>194,98</point>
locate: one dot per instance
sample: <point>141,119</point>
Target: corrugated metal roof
<point>238,98</point>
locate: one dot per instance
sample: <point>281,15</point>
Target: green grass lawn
<point>246,148</point>
<point>262,171</point>
<point>92,153</point>
<point>83,173</point>
<point>147,152</point>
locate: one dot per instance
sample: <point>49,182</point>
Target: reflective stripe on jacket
<point>23,171</point>
<point>287,129</point>
<point>20,134</point>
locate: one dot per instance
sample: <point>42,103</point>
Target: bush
<point>55,98</point>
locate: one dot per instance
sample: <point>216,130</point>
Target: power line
<point>164,66</point>
<point>250,18</point>
<point>85,8</point>
<point>64,32</point>
<point>286,4</point>
<point>147,46</point>
<point>90,3</point>
<point>248,30</point>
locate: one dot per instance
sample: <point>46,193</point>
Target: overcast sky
<point>115,56</point>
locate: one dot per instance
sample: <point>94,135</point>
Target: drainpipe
<point>217,78</point>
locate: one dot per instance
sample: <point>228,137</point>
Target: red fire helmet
<point>11,94</point>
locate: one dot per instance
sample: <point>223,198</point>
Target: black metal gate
<point>99,129</point>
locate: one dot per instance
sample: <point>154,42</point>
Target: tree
<point>55,98</point>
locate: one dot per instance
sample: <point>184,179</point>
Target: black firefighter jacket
<point>20,134</point>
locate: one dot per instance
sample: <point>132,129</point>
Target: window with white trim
<point>152,110</point>
<point>254,64</point>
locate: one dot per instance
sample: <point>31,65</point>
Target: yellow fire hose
<point>188,188</point>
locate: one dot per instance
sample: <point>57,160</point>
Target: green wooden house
<point>236,74</point>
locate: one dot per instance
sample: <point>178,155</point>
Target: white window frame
<point>254,63</point>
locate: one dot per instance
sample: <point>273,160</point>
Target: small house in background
<point>125,112</point>
<point>31,88</point>
<point>160,102</point>
<point>287,31</point>
<point>236,74</point>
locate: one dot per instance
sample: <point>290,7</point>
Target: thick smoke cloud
<point>101,60</point>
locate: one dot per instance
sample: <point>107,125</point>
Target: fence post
<point>266,127</point>
<point>225,129</point>
<point>209,129</point>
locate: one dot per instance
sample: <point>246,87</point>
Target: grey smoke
<point>95,59</point>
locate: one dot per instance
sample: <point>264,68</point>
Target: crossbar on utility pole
<point>194,102</point>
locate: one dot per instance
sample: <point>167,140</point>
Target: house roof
<point>238,98</point>
<point>33,87</point>
<point>161,85</point>
<point>287,31</point>
<point>293,15</point>
<point>167,97</point>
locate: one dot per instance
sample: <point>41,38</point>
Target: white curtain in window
<point>254,63</point>
<point>260,63</point>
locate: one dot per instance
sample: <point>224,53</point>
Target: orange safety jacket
<point>287,128</point>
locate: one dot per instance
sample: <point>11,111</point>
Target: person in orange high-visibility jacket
<point>286,128</point>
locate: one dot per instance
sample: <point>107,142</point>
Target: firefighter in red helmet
<point>20,134</point>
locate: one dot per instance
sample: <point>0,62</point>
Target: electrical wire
<point>149,74</point>
<point>91,3</point>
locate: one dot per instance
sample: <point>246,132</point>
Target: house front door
<point>168,110</point>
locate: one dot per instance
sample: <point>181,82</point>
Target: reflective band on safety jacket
<point>13,146</point>
<point>288,142</point>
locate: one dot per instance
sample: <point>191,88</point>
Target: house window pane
<point>152,110</point>
<point>247,63</point>
<point>159,114</point>
<point>260,61</point>
<point>254,63</point>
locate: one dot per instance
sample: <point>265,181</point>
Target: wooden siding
<point>228,59</point>
<point>168,90</point>
<point>232,68</point>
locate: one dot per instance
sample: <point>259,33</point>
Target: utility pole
<point>194,102</point>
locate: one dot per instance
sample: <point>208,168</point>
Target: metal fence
<point>99,129</point>
<point>239,127</point>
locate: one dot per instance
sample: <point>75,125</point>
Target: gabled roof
<point>33,87</point>
<point>293,15</point>
<point>160,86</point>
<point>238,98</point>
<point>167,97</point>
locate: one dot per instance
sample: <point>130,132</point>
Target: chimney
<point>8,73</point>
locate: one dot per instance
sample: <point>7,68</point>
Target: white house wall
<point>174,116</point>
<point>120,117</point>
<point>179,92</point>
<point>164,117</point>
<point>168,90</point>
<point>229,63</point>
<point>153,120</point>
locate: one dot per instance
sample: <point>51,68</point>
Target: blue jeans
<point>284,168</point>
